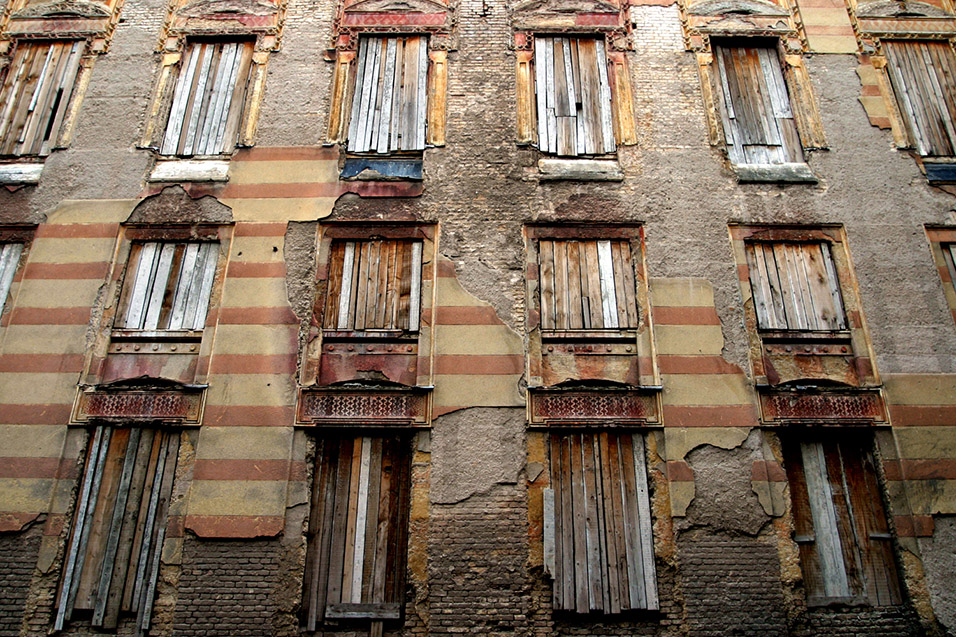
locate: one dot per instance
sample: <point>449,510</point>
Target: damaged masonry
<point>578,317</point>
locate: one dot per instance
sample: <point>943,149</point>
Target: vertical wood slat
<point>208,98</point>
<point>168,286</point>
<point>921,74</point>
<point>9,260</point>
<point>829,547</point>
<point>603,555</point>
<point>353,552</point>
<point>795,287</point>
<point>586,284</point>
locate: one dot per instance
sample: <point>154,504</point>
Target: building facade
<point>425,317</point>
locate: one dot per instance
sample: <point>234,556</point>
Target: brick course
<point>18,554</point>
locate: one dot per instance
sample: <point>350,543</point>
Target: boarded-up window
<point>167,286</point>
<point>923,76</point>
<point>846,549</point>
<point>949,256</point>
<point>586,285</point>
<point>9,259</point>
<point>113,558</point>
<point>755,106</point>
<point>374,285</point>
<point>573,96</point>
<point>389,103</point>
<point>36,95</point>
<point>598,545</point>
<point>358,530</point>
<point>208,102</point>
<point>795,287</point>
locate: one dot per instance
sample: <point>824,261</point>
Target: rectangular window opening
<point>840,524</point>
<point>36,94</point>
<point>358,530</point>
<point>119,527</point>
<point>573,96</point>
<point>598,542</point>
<point>209,98</point>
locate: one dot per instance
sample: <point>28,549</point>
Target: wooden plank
<point>405,291</point>
<point>547,532</point>
<point>152,453</point>
<point>385,514</point>
<point>362,273</point>
<point>637,592</point>
<point>595,295</point>
<point>320,531</point>
<point>333,300</point>
<point>878,539</point>
<point>358,94</point>
<point>373,570</point>
<point>829,549</point>
<point>645,524</point>
<point>386,287</point>
<point>39,105</point>
<point>11,90</point>
<point>422,99</point>
<point>568,545</point>
<point>361,520</point>
<point>158,285</point>
<point>375,281</point>
<point>604,90</point>
<point>803,519</point>
<point>562,294</point>
<point>200,291</point>
<point>593,533</point>
<point>589,97</point>
<point>352,511</point>
<point>541,91</point>
<point>347,285</point>
<point>545,284</point>
<point>576,315</point>
<point>415,300</point>
<point>365,93</point>
<point>557,572</point>
<point>906,96</point>
<point>550,94</point>
<point>171,452</point>
<point>396,272</point>
<point>28,89</point>
<point>616,538</point>
<point>337,558</point>
<point>9,260</point>
<point>764,294</point>
<point>630,289</point>
<point>582,592</point>
<point>216,89</point>
<point>196,100</point>
<point>154,520</point>
<point>388,94</point>
<point>181,292</point>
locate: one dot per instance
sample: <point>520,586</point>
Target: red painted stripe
<point>257,316</point>
<point>251,270</point>
<point>41,363</point>
<point>37,414</point>
<point>10,521</point>
<point>55,523</point>
<point>249,470</point>
<point>235,526</point>
<point>921,469</point>
<point>249,416</point>
<point>914,525</point>
<point>446,268</point>
<point>50,316</point>
<point>77,230</point>
<point>66,271</point>
<point>696,365</point>
<point>478,364</point>
<point>826,29</point>
<point>716,416</point>
<point>175,525</point>
<point>253,363</point>
<point>923,415</point>
<point>29,468</point>
<point>276,229</point>
<point>462,315</point>
<point>944,274</point>
<point>679,471</point>
<point>287,153</point>
<point>767,471</point>
<point>871,90</point>
<point>690,315</point>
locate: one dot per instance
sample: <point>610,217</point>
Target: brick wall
<point>731,585</point>
<point>858,621</point>
<point>18,553</point>
<point>477,550</point>
<point>227,588</point>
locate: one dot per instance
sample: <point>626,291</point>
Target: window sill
<point>20,173</point>
<point>795,173</point>
<point>190,170</point>
<point>382,168</point>
<point>940,170</point>
<point>580,170</point>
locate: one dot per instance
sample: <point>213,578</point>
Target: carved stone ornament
<point>736,7</point>
<point>544,7</point>
<point>64,8</point>
<point>397,6</point>
<point>203,8</point>
<point>895,9</point>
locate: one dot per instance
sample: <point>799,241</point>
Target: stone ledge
<point>15,174</point>
<point>190,170</point>
<point>775,173</point>
<point>580,170</point>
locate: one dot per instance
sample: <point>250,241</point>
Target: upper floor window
<point>9,259</point>
<point>755,108</point>
<point>167,286</point>
<point>795,287</point>
<point>374,285</point>
<point>390,102</point>
<point>208,102</point>
<point>573,96</point>
<point>586,285</point>
<point>36,93</point>
<point>923,75</point>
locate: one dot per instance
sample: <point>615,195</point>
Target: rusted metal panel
<point>591,407</point>
<point>357,407</point>
<point>824,407</point>
<point>169,405</point>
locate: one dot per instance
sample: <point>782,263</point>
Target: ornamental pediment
<point>894,9</point>
<point>202,8</point>
<point>64,8</point>
<point>544,7</point>
<point>397,6</point>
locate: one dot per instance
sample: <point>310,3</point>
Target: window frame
<point>942,241</point>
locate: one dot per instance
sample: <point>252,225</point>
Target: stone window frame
<point>638,341</point>
<point>942,242</point>
<point>854,342</point>
<point>758,21</point>
<point>198,342</point>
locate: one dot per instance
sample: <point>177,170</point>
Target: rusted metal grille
<point>593,406</point>
<point>866,406</point>
<point>362,408</point>
<point>140,405</point>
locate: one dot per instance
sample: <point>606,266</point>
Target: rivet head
<point>351,348</point>
<point>173,348</point>
<point>331,348</point>
<point>192,348</point>
<point>607,348</point>
<point>550,348</point>
<point>826,350</point>
<point>843,349</point>
<point>627,349</point>
<point>807,348</point>
<point>369,348</point>
<point>136,348</point>
<point>155,347</point>
<point>408,349</point>
<point>769,349</point>
<point>789,349</point>
<point>119,348</point>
